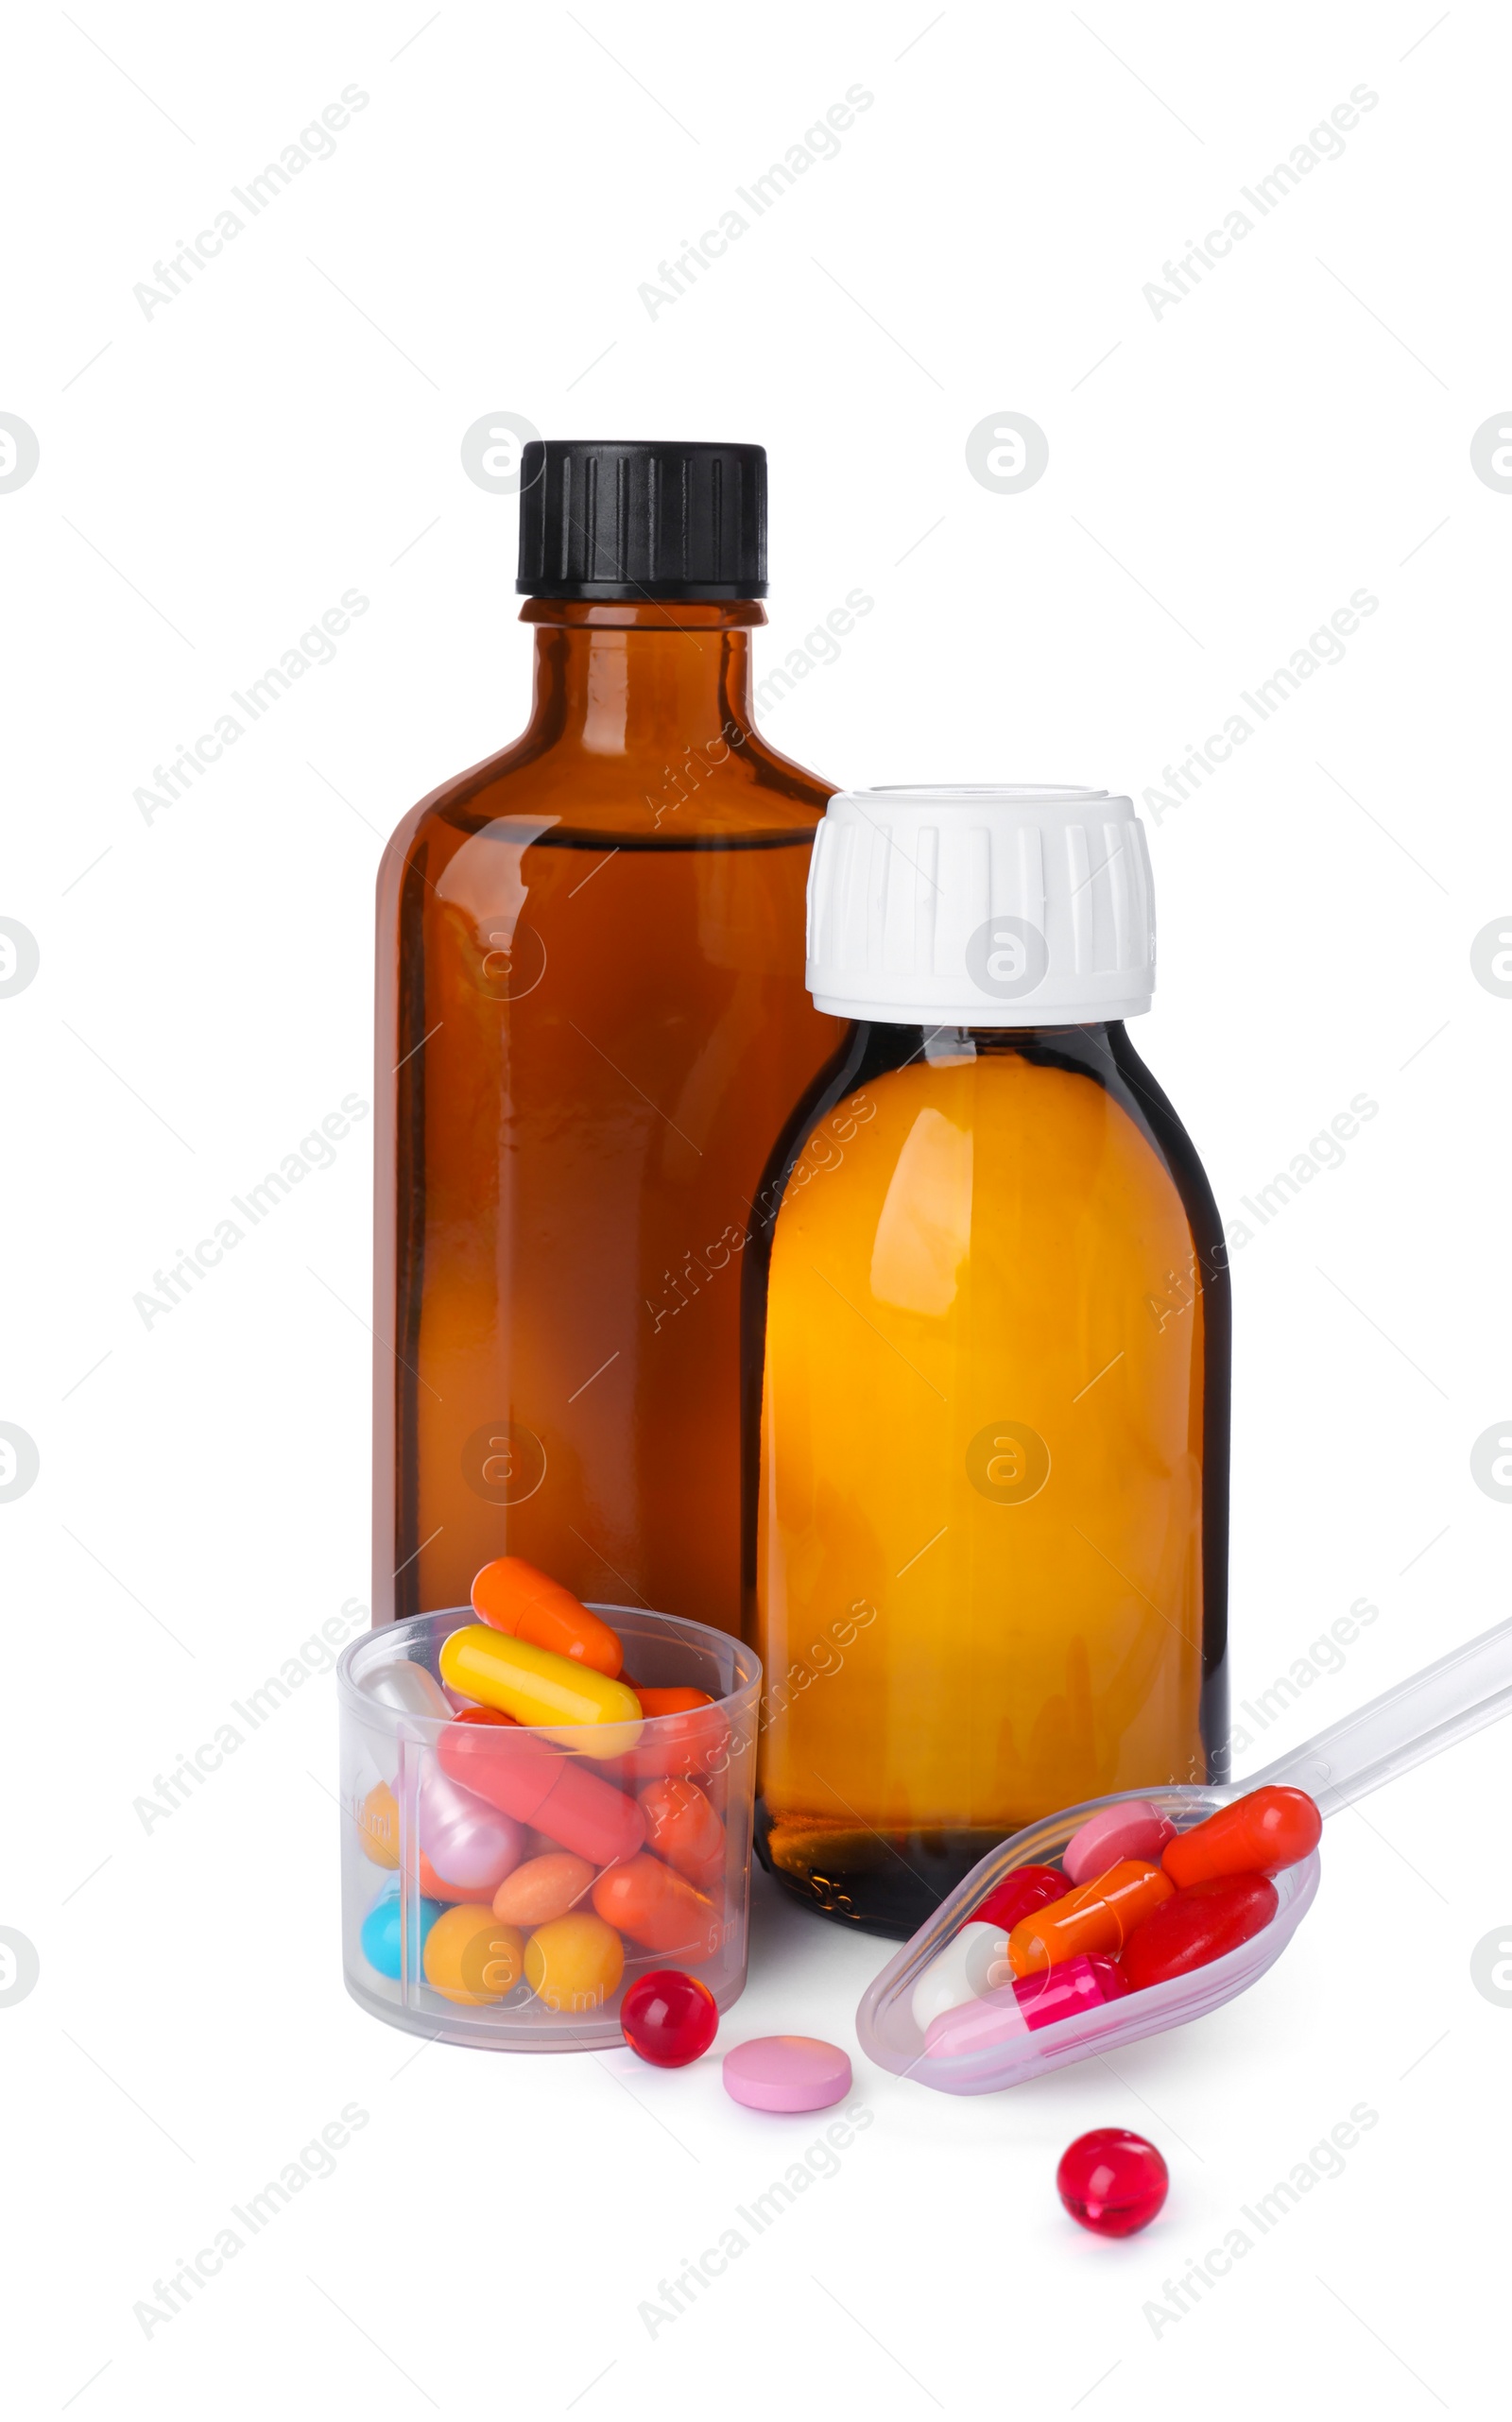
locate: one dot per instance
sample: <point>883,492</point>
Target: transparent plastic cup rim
<point>368,1648</point>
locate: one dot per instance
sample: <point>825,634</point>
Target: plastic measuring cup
<point>1468,1687</point>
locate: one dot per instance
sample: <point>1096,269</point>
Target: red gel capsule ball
<point>1255,1836</point>
<point>668,2018</point>
<point>1197,1926</point>
<point>1022,1890</point>
<point>1112,2182</point>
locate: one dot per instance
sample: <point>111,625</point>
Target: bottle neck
<point>1087,1043</point>
<point>638,680</point>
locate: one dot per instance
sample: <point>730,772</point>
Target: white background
<point>1220,480</point>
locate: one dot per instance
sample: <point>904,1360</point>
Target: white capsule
<point>403,1690</point>
<point>958,1974</point>
<point>408,1689</point>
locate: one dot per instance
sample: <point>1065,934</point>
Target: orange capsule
<point>681,1827</point>
<point>1258,1835</point>
<point>1096,1918</point>
<point>512,1596</point>
<point>689,1736</point>
<point>671,1701</point>
<point>657,1908</point>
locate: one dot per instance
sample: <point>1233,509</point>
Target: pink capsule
<point>1134,1830</point>
<point>465,1840</point>
<point>1029,2003</point>
<point>1060,1992</point>
<point>974,2026</point>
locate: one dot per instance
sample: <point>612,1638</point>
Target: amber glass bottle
<point>986,1365</point>
<point>592,1024</point>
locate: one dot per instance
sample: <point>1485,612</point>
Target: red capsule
<point>1197,1926</point>
<point>1022,1890</point>
<point>530,1780</point>
<point>1257,1836</point>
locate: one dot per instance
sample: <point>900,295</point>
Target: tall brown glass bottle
<point>592,1024</point>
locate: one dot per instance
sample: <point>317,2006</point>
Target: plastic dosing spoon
<point>1468,1687</point>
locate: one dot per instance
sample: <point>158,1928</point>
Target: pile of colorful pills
<point>561,1836</point>
<point>1132,1904</point>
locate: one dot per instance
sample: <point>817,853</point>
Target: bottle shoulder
<point>1078,1121</point>
<point>726,792</point>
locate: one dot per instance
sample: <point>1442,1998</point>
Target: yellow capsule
<point>559,1694</point>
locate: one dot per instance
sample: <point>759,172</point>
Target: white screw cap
<point>1004,906</point>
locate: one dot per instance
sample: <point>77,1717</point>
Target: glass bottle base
<point>878,1884</point>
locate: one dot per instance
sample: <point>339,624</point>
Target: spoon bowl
<point>1450,1699</point>
<point>891,2035</point>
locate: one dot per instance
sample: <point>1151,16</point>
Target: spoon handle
<point>1448,1700</point>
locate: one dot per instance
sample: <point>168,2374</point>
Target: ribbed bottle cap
<point>615,517</point>
<point>999,906</point>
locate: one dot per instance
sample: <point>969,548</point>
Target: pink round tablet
<point>1133,1829</point>
<point>788,2074</point>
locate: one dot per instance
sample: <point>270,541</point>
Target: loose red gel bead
<point>1197,1926</point>
<point>1112,2182</point>
<point>668,2018</point>
<point>1022,1890</point>
<point>1265,1830</point>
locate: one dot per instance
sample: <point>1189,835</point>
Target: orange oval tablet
<point>657,1908</point>
<point>471,1958</point>
<point>513,1596</point>
<point>574,1963</point>
<point>378,1827</point>
<point>682,1827</point>
<point>542,1888</point>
